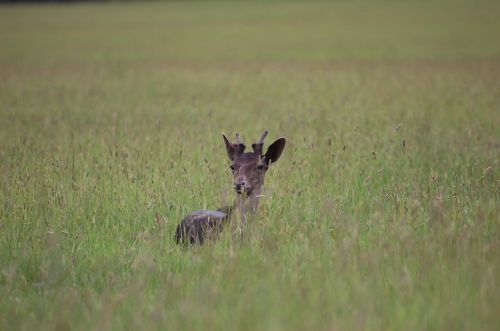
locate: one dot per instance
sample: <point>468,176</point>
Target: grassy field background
<point>382,213</point>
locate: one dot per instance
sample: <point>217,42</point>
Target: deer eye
<point>231,167</point>
<point>260,166</point>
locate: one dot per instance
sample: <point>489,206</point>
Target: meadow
<point>382,213</point>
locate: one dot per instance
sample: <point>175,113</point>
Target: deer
<point>249,170</point>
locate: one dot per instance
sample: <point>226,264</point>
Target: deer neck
<point>252,202</point>
<point>246,204</point>
<point>240,208</point>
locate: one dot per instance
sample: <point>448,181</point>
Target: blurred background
<point>170,32</point>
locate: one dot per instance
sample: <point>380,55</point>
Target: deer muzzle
<point>239,187</point>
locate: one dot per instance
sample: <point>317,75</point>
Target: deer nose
<point>238,186</point>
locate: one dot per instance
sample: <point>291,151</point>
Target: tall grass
<point>381,214</point>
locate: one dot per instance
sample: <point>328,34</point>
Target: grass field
<point>382,213</point>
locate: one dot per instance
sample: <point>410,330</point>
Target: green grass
<point>381,214</point>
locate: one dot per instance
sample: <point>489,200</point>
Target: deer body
<point>249,170</point>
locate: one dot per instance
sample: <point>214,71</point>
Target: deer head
<point>249,168</point>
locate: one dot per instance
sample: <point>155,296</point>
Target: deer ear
<point>230,148</point>
<point>274,151</point>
